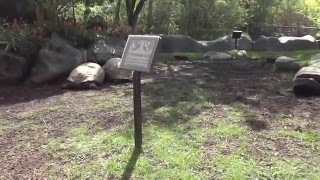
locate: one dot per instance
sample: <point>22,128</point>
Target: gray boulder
<point>245,43</point>
<point>285,43</point>
<point>179,44</point>
<point>287,64</point>
<point>264,43</point>
<point>307,82</point>
<point>217,56</point>
<point>227,43</point>
<point>12,68</point>
<point>58,58</point>
<point>298,43</point>
<point>113,71</point>
<point>105,48</point>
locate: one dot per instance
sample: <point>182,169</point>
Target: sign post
<point>137,109</point>
<point>138,56</point>
<point>236,35</point>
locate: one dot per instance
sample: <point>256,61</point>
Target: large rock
<point>12,68</point>
<point>227,43</point>
<point>298,43</point>
<point>56,59</point>
<point>287,64</point>
<point>113,71</point>
<point>264,43</point>
<point>105,48</point>
<point>285,43</point>
<point>179,44</point>
<point>217,56</point>
<point>307,82</point>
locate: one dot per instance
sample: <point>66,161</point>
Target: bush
<point>21,41</point>
<point>78,38</point>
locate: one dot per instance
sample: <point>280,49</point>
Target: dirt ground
<point>263,94</point>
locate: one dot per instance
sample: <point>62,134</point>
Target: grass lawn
<point>303,55</point>
<point>202,120</point>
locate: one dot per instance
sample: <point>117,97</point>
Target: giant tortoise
<point>88,75</point>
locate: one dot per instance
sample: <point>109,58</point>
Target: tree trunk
<point>149,16</point>
<point>117,13</point>
<point>74,14</point>
<point>133,12</point>
<point>187,16</point>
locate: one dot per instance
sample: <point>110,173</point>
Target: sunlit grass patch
<point>292,168</point>
<point>236,167</point>
<point>303,55</point>
<point>165,150</point>
<point>229,130</point>
<point>307,136</point>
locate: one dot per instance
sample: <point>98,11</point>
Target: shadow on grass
<point>131,164</point>
<point>199,85</point>
<point>19,93</point>
<point>13,94</point>
<point>255,123</point>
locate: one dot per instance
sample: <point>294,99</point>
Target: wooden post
<point>236,44</point>
<point>137,109</point>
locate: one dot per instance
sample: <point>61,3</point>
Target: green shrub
<point>77,38</point>
<point>21,41</point>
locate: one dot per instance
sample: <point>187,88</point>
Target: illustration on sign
<point>139,52</point>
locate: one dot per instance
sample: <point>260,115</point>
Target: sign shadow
<point>132,163</point>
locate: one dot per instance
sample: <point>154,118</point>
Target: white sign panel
<point>139,52</point>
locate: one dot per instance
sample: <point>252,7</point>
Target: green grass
<point>304,136</point>
<point>177,151</point>
<point>188,134</point>
<point>292,168</point>
<point>182,140</point>
<point>303,55</point>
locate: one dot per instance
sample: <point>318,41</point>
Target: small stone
<point>287,64</point>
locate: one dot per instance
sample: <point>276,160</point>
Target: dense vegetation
<point>78,20</point>
<point>205,19</point>
<point>202,19</point>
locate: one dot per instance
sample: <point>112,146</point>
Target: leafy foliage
<point>21,41</point>
<point>78,38</point>
<point>201,19</point>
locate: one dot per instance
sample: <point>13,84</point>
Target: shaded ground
<point>207,120</point>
